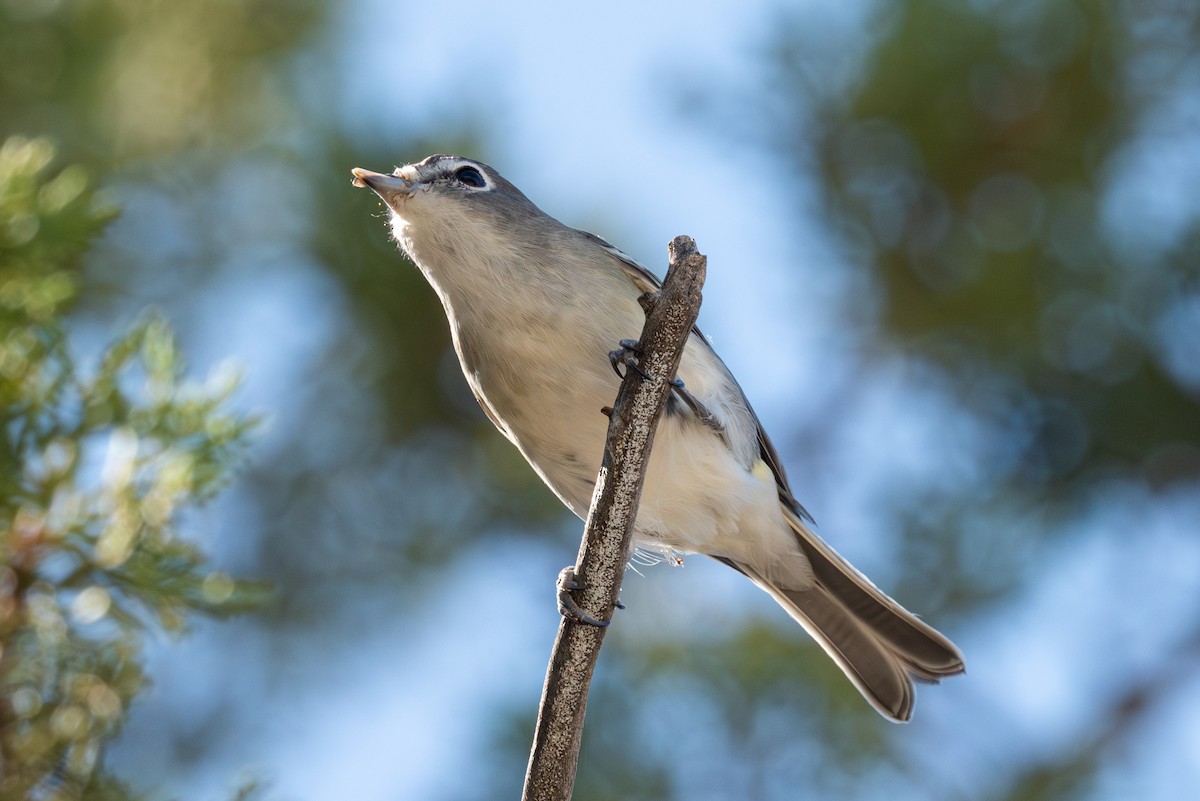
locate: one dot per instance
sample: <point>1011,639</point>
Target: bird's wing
<point>646,281</point>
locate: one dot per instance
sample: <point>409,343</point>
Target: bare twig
<point>670,315</point>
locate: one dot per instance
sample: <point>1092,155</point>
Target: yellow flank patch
<point>762,471</point>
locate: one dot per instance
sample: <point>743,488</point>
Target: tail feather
<point>925,652</point>
<point>874,670</point>
<point>879,645</point>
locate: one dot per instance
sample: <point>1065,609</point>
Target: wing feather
<point>645,281</point>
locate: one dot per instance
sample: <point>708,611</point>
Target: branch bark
<point>670,315</point>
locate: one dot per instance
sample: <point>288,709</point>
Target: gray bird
<point>535,308</point>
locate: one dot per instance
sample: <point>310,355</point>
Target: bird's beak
<point>390,188</point>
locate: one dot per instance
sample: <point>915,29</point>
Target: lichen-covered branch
<point>671,314</point>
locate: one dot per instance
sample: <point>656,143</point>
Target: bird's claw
<point>568,582</point>
<point>627,355</point>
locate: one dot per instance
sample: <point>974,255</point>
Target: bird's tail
<point>880,645</point>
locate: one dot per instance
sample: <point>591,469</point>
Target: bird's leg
<point>567,582</point>
<point>699,409</point>
<point>627,355</point>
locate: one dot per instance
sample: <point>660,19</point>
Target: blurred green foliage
<point>94,471</point>
<point>115,80</point>
<point>973,165</point>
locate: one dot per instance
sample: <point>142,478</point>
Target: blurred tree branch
<point>94,470</point>
<point>670,317</point>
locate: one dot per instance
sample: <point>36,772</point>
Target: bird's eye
<point>470,176</point>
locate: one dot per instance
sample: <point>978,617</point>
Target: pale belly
<point>698,496</point>
<point>539,365</point>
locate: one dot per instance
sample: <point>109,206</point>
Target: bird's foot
<point>626,355</point>
<point>566,584</point>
